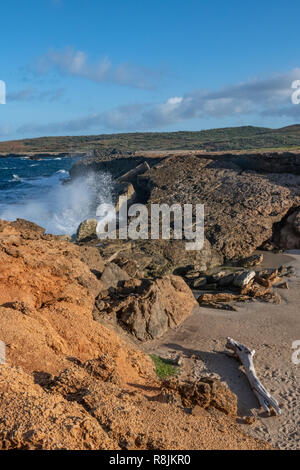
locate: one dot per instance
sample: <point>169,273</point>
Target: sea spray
<point>49,199</point>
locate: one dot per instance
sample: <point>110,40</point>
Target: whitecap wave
<point>15,178</point>
<point>63,207</point>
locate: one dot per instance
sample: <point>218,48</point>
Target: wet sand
<point>267,328</point>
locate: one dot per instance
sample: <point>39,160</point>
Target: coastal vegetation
<point>224,139</point>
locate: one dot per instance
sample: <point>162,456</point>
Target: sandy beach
<point>270,330</point>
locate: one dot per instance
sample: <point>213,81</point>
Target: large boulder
<point>148,308</point>
<point>206,392</point>
<point>87,230</point>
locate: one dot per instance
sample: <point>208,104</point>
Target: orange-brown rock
<point>147,308</point>
<point>32,418</point>
<point>46,299</point>
<point>90,255</point>
<point>219,297</point>
<point>205,392</point>
<point>79,410</point>
<point>70,383</point>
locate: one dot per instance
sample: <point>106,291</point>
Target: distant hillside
<point>229,138</point>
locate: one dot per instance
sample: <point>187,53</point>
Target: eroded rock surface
<point>245,196</point>
<point>71,383</point>
<point>147,308</point>
<point>241,205</point>
<point>46,299</point>
<point>205,392</point>
<point>87,230</point>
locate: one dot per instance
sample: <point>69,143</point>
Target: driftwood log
<point>245,355</point>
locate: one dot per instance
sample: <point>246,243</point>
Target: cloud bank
<point>268,97</point>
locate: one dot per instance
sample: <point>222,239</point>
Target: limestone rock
<point>69,383</point>
<point>87,229</point>
<point>199,282</point>
<point>147,309</point>
<point>242,201</point>
<point>205,392</point>
<point>46,300</point>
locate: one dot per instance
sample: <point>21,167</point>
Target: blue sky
<point>76,67</point>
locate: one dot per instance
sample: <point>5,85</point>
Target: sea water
<point>40,191</point>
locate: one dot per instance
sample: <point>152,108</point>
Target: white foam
<point>15,178</point>
<point>62,208</point>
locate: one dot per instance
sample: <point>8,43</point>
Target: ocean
<point>40,191</point>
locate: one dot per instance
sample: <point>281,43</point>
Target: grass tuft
<point>164,367</point>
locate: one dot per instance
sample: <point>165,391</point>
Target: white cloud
<point>76,63</point>
<point>267,97</point>
<point>175,100</point>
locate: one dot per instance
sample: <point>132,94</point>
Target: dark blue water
<point>34,190</point>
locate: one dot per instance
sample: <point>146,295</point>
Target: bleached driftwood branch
<point>245,355</point>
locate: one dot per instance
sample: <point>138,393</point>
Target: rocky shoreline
<point>75,316</point>
<point>71,383</point>
<point>247,198</point>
